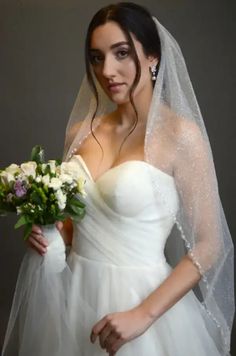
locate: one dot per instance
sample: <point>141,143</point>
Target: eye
<point>123,53</point>
<point>96,58</point>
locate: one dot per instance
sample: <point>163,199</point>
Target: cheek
<point>145,71</point>
<point>128,70</point>
<point>96,73</point>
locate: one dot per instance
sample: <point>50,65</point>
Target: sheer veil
<point>201,229</point>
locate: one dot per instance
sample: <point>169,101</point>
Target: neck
<point>125,113</point>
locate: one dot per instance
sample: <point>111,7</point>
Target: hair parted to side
<point>132,18</point>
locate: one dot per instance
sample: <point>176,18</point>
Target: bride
<point>137,136</point>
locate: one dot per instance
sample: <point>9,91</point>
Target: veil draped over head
<point>201,229</point>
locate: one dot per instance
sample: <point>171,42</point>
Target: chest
<point>110,148</point>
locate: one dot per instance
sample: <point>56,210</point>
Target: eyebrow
<point>112,46</point>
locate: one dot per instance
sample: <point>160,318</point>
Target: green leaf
<point>79,211</point>
<point>47,170</point>
<point>22,221</point>
<point>76,202</point>
<point>60,216</point>
<point>35,198</point>
<point>27,230</point>
<point>37,154</point>
<point>76,217</point>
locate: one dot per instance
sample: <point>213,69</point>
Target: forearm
<point>182,279</point>
<point>67,231</point>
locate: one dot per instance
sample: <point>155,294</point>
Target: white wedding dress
<point>116,260</point>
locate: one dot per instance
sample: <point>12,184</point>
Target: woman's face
<point>114,66</point>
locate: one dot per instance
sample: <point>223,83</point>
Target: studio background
<point>41,68</point>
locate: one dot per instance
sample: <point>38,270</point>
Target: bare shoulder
<point>188,133</point>
<point>74,128</point>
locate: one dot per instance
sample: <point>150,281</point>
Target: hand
<point>115,329</point>
<point>37,241</point>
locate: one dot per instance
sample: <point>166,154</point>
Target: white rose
<point>46,180</point>
<point>52,164</point>
<point>66,178</point>
<point>38,179</point>
<point>23,177</point>
<point>6,177</point>
<point>55,183</point>
<point>61,199</point>
<point>29,168</point>
<point>58,170</point>
<point>13,168</point>
<point>70,168</point>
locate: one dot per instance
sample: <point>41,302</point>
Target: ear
<point>153,60</point>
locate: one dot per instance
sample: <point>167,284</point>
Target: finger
<point>39,238</point>
<point>97,328</point>
<point>116,346</point>
<point>105,335</point>
<point>36,228</point>
<point>36,233</point>
<point>59,225</point>
<point>110,340</point>
<point>37,245</point>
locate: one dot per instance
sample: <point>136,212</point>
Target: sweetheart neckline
<point>119,165</point>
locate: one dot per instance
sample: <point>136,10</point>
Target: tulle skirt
<point>57,302</point>
<point>106,288</point>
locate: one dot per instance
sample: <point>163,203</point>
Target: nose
<point>109,68</point>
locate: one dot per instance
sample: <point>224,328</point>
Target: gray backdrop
<point>42,64</point>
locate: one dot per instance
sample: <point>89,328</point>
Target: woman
<point>155,172</point>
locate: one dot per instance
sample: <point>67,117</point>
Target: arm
<point>196,184</point>
<point>66,230</point>
<point>181,280</point>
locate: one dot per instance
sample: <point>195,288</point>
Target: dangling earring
<point>154,72</point>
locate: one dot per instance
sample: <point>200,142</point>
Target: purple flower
<point>20,190</point>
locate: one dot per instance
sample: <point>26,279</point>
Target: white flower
<point>44,165</point>
<point>9,197</point>
<point>70,168</point>
<point>23,178</point>
<point>13,168</point>
<point>61,199</point>
<point>6,177</point>
<point>38,179</point>
<point>58,170</point>
<point>29,168</point>
<point>55,183</point>
<point>80,186</point>
<point>46,180</point>
<point>52,164</point>
<point>18,210</point>
<point>66,178</point>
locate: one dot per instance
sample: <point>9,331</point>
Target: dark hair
<point>131,18</point>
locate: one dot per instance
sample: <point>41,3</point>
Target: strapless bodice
<point>127,222</point>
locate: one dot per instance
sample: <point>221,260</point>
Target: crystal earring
<point>154,72</point>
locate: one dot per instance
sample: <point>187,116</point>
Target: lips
<point>114,86</point>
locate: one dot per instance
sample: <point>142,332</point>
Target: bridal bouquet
<point>41,192</point>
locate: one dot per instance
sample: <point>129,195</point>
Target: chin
<point>119,100</point>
